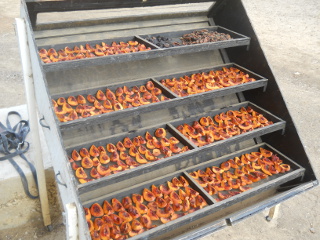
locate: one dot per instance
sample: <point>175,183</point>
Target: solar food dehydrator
<point>86,76</point>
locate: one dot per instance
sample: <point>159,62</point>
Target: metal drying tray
<point>239,40</point>
<point>213,206</point>
<point>172,102</point>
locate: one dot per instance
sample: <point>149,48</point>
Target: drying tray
<point>239,40</point>
<point>178,159</point>
<point>213,206</point>
<point>174,100</point>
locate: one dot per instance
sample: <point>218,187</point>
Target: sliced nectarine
<point>256,165</point>
<point>267,161</point>
<point>75,155</point>
<point>149,156</point>
<point>148,136</point>
<point>123,156</point>
<point>142,209</point>
<point>72,101</point>
<point>125,228</point>
<point>115,167</point>
<point>136,225</point>
<point>133,151</point>
<point>94,173</point>
<point>156,191</point>
<point>156,142</point>
<point>266,170</point>
<point>107,104</point>
<point>136,141</point>
<point>127,142</point>
<point>183,181</point>
<point>200,202</point>
<point>116,205</point>
<point>102,149</point>
<point>120,147</point>
<point>133,211</point>
<point>102,170</point>
<point>96,210</point>
<point>191,192</point>
<point>285,167</point>
<point>142,149</point>
<point>115,232</point>
<point>142,140</point>
<point>140,159</point>
<point>97,223</point>
<point>144,101</point>
<point>165,219</point>
<point>107,220</point>
<point>94,152</point>
<point>117,106</point>
<point>156,153</point>
<point>167,198</point>
<point>98,105</point>
<point>137,198</point>
<point>177,182</point>
<point>175,148</point>
<point>104,232</point>
<point>101,96</point>
<point>146,221</point>
<point>126,202</point>
<point>153,215</point>
<point>86,162</point>
<point>72,115</point>
<point>260,174</point>
<point>177,207</point>
<point>164,142</point>
<point>84,152</point>
<point>160,202</point>
<point>114,156</point>
<point>266,153</point>
<point>172,186</point>
<point>80,173</point>
<point>166,151</point>
<point>87,213</point>
<point>110,95</point>
<point>160,133</point>
<point>90,225</point>
<point>225,166</point>
<point>182,194</point>
<point>244,188</point>
<point>132,163</point>
<point>217,169</point>
<point>150,144</point>
<point>148,195</point>
<point>74,165</point>
<point>91,98</point>
<point>104,158</point>
<point>162,213</point>
<point>175,197</point>
<point>165,189</point>
<point>111,148</point>
<point>67,108</point>
<point>125,216</point>
<point>156,91</point>
<point>150,85</point>
<point>61,101</point>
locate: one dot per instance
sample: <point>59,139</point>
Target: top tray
<point>237,40</point>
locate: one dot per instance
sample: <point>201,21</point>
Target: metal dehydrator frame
<point>57,80</point>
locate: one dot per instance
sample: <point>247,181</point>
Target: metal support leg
<point>33,120</point>
<point>273,212</point>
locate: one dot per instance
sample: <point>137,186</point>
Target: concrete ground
<point>289,34</point>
